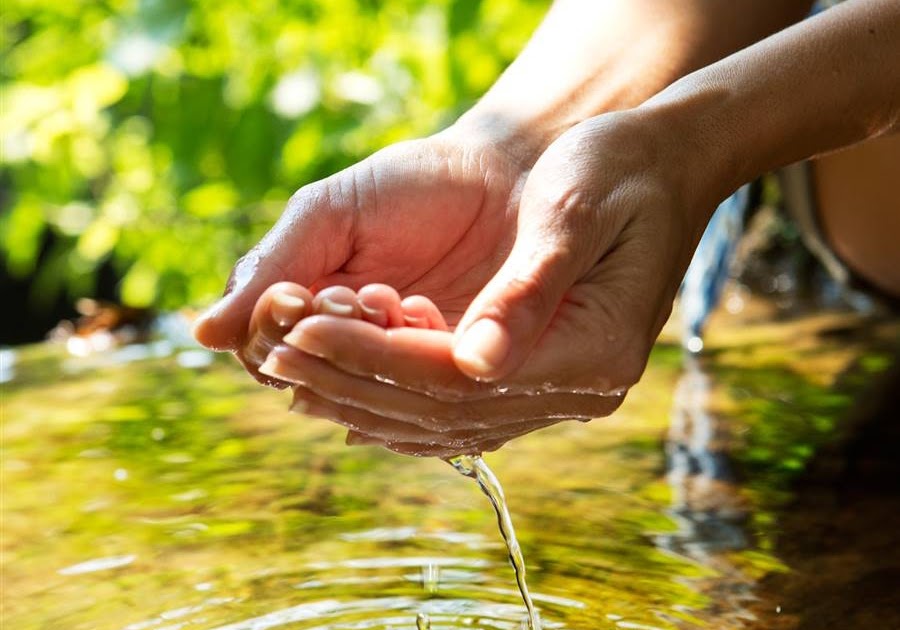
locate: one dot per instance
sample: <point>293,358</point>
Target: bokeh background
<point>147,144</point>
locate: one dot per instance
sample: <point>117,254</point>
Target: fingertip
<point>337,300</point>
<point>482,350</point>
<point>288,303</point>
<point>420,312</point>
<point>214,329</point>
<point>270,367</point>
<point>355,438</point>
<point>380,305</point>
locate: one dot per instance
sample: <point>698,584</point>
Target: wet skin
<point>555,249</point>
<point>419,424</point>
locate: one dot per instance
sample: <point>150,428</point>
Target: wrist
<point>520,141</point>
<point>696,125</point>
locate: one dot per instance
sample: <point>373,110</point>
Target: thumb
<point>309,240</point>
<point>508,317</point>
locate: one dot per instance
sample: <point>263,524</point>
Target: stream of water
<point>475,467</point>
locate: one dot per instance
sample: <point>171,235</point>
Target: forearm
<point>593,56</point>
<point>829,82</point>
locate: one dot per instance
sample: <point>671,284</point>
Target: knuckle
<point>571,203</point>
<point>302,199</point>
<point>526,293</point>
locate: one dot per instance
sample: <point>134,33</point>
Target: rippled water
<point>156,488</point>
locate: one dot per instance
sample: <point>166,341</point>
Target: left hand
<point>609,218</point>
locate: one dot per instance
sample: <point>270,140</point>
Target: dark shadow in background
<point>27,318</point>
<point>841,535</point>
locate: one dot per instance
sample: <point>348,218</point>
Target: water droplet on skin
<point>384,379</point>
<point>244,272</point>
<point>120,474</point>
<point>423,622</point>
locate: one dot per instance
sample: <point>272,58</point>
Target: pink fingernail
<point>374,315</point>
<point>330,307</point>
<point>287,308</point>
<point>269,367</point>
<point>416,322</point>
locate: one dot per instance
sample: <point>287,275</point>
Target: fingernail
<point>270,367</point>
<point>287,308</point>
<point>330,307</point>
<point>483,347</point>
<point>375,315</point>
<point>416,322</point>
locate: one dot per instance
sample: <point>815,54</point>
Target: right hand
<point>435,216</point>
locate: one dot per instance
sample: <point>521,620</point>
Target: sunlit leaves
<point>210,199</point>
<point>134,131</point>
<point>140,285</point>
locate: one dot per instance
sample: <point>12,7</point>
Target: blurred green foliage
<point>165,136</point>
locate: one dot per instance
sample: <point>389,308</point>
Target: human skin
<point>421,215</point>
<point>608,219</point>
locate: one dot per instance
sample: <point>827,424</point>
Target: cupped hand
<point>608,220</point>
<point>434,216</point>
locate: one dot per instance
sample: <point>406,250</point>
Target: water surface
<point>157,488</point>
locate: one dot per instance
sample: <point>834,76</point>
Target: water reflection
<point>238,514</point>
<point>706,503</point>
<point>707,506</point>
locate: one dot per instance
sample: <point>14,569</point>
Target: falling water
<point>475,467</point>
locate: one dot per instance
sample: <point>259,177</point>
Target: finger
<point>488,415</point>
<point>366,428</point>
<point>471,446</point>
<point>356,438</point>
<point>369,424</point>
<point>414,359</point>
<point>601,337</point>
<point>278,309</point>
<point>585,352</point>
<point>339,301</point>
<point>509,315</point>
<point>309,240</point>
<point>420,312</point>
<point>380,305</point>
<point>558,240</point>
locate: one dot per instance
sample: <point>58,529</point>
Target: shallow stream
<point>157,488</point>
